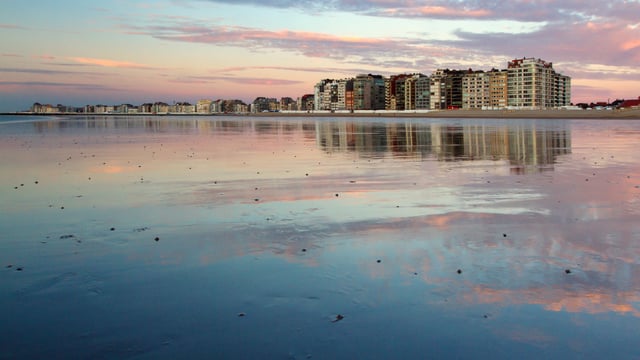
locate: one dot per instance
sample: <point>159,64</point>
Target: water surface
<point>233,237</point>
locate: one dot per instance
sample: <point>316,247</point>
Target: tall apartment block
<point>532,83</point>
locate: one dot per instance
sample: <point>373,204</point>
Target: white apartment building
<point>531,84</point>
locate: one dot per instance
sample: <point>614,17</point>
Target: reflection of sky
<point>264,213</point>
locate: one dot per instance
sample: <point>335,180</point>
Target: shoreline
<point>631,114</point>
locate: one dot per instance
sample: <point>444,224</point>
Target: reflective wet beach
<point>231,237</point>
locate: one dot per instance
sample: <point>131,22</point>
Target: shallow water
<point>431,238</point>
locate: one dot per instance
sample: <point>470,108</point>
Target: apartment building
<point>368,92</point>
<point>410,91</point>
<point>423,93</point>
<point>531,84</point>
<point>498,88</point>
<point>476,90</point>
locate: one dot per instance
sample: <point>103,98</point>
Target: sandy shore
<point>484,114</point>
<point>479,114</point>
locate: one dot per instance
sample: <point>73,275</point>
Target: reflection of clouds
<point>556,299</point>
<point>425,217</point>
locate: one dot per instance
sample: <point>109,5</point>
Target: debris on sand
<point>338,318</point>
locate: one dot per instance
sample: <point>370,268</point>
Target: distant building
<point>368,92</point>
<point>533,84</point>
<point>476,92</point>
<point>203,106</point>
<point>630,104</point>
<point>306,102</point>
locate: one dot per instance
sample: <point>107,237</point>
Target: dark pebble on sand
<point>338,318</point>
<point>113,229</point>
<point>256,199</point>
<point>157,239</point>
<point>504,235</point>
<point>241,314</point>
<point>459,271</point>
<point>567,271</point>
<point>337,195</point>
<point>378,261</point>
<point>36,182</point>
<point>304,250</point>
<point>61,207</point>
<point>19,269</point>
<point>9,266</point>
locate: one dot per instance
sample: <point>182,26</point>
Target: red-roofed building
<point>630,103</point>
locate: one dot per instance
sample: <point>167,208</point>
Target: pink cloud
<point>437,11</point>
<point>110,63</point>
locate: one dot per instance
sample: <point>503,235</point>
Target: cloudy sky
<point>134,51</point>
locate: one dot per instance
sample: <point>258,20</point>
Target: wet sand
<point>281,237</point>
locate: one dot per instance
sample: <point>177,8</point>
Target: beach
<point>328,236</point>
<point>631,114</point>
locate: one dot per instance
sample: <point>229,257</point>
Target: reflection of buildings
<point>522,143</point>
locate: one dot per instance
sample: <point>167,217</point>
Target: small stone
<point>157,239</point>
<point>567,271</point>
<point>61,207</point>
<point>337,195</point>
<point>378,261</point>
<point>304,250</point>
<point>19,269</point>
<point>242,314</point>
<point>459,271</point>
<point>338,318</point>
<point>256,199</point>
<point>36,182</point>
<point>9,266</point>
<point>112,229</point>
<point>504,235</point>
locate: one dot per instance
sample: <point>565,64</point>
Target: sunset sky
<point>118,51</point>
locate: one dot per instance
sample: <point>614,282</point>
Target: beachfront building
<point>423,93</point>
<point>498,89</point>
<point>368,92</point>
<point>394,92</point>
<point>531,84</point>
<point>182,108</point>
<point>264,104</point>
<point>437,86</point>
<point>203,106</point>
<point>562,90</point>
<point>475,90</point>
<point>306,102</point>
<point>410,91</point>
<point>288,104</point>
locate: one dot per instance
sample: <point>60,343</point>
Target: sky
<point>135,51</point>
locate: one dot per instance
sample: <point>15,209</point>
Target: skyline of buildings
<point>526,83</point>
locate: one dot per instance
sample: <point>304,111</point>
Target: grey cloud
<point>522,10</point>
